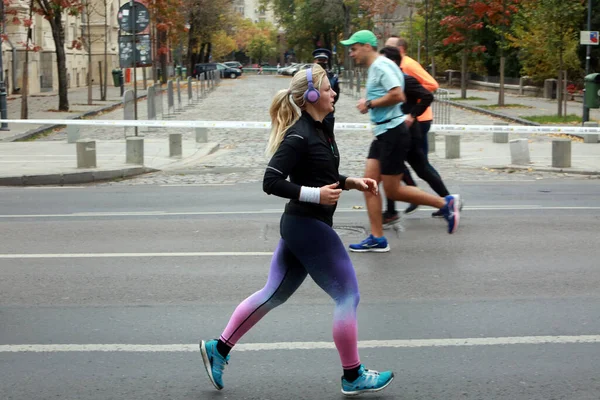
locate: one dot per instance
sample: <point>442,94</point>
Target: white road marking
<point>117,255</point>
<point>280,210</point>
<point>410,343</point>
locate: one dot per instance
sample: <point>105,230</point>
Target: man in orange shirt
<point>411,67</point>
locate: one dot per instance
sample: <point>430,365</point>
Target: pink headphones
<point>311,95</point>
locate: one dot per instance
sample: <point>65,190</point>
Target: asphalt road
<point>105,291</point>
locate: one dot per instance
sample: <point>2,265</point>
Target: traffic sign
<point>136,21</point>
<point>589,38</point>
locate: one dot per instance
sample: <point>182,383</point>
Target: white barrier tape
<point>338,126</point>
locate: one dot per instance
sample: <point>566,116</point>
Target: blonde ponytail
<point>284,113</point>
<point>287,106</point>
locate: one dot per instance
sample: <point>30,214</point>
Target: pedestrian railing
<point>440,107</point>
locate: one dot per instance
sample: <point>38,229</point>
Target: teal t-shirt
<point>384,75</point>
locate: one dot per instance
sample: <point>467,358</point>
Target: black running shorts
<point>391,148</point>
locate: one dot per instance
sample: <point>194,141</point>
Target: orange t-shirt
<point>414,69</point>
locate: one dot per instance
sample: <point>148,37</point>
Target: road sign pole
<point>135,98</point>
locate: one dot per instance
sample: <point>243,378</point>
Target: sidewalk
<point>54,161</point>
<point>530,105</point>
<point>44,105</point>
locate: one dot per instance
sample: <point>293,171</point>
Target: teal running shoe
<point>213,362</point>
<point>367,381</point>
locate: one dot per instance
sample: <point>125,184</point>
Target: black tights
<point>417,159</point>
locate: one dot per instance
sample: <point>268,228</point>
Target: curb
<point>34,132</point>
<point>74,178</point>
<point>550,169</point>
<point>490,113</point>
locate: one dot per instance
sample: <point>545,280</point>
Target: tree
<point>87,11</point>
<point>223,44</point>
<point>499,19</point>
<point>169,20</point>
<point>464,18</point>
<point>29,46</point>
<point>261,47</point>
<point>546,32</point>
<point>52,11</point>
<point>206,18</point>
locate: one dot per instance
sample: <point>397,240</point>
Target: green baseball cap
<point>362,37</point>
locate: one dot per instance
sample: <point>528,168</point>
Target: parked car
<point>227,72</point>
<point>234,64</point>
<point>202,68</point>
<point>292,69</point>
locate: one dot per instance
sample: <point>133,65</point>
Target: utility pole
<point>586,111</point>
<point>3,114</point>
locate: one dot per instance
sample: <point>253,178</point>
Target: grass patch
<point>468,98</point>
<point>496,106</point>
<point>554,119</point>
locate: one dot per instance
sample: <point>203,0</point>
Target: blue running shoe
<point>213,362</point>
<point>378,245</point>
<point>451,212</point>
<point>367,381</point>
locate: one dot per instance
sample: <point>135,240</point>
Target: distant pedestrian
<point>322,57</point>
<point>304,150</point>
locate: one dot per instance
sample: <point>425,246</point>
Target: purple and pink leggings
<point>308,247</point>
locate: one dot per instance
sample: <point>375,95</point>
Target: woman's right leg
<point>285,276</point>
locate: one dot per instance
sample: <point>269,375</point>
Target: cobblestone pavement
<point>241,156</point>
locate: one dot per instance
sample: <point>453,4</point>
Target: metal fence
<point>441,107</point>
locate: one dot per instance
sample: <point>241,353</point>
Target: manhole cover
<point>350,230</point>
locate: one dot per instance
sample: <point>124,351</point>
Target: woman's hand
<point>363,184</point>
<point>330,194</point>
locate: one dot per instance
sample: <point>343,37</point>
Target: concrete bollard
<point>431,141</point>
<point>72,133</point>
<point>561,153</point>
<point>519,152</point>
<point>500,137</point>
<point>201,135</point>
<point>453,145</point>
<point>590,137</point>
<point>86,153</point>
<point>175,147</point>
<point>134,150</point>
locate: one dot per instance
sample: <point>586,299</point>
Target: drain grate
<point>347,230</point>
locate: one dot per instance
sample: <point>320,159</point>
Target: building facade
<point>42,67</point>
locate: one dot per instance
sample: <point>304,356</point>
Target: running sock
<point>351,374</point>
<point>223,348</point>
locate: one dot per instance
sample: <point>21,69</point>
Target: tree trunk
<point>58,34</point>
<point>346,36</point>
<point>25,88</point>
<point>89,43</point>
<point>501,93</point>
<point>463,74</point>
<point>163,57</point>
<point>105,83</point>
<point>565,93</point>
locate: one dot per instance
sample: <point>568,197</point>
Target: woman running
<point>303,148</point>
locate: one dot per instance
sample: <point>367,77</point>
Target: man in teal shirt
<point>385,162</point>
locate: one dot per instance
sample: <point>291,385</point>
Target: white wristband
<point>310,194</point>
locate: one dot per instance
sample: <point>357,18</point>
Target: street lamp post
<point>3,114</point>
